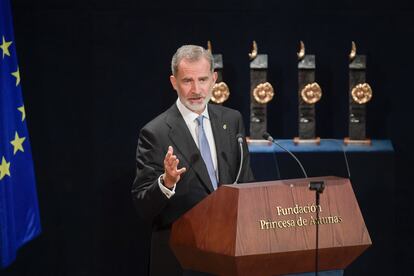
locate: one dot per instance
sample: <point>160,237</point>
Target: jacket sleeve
<point>146,193</point>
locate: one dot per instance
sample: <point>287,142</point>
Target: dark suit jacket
<point>170,129</point>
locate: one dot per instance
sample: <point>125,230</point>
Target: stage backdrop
<point>94,72</point>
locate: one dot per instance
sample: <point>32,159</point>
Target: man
<point>185,153</point>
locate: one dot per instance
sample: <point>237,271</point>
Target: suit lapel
<point>184,143</point>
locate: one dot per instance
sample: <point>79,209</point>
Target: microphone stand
<point>318,187</point>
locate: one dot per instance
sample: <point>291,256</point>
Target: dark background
<point>94,72</point>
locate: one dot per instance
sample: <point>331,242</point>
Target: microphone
<point>240,141</point>
<point>269,138</point>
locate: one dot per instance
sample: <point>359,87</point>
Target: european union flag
<point>19,212</point>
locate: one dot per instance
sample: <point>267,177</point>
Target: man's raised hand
<point>171,172</point>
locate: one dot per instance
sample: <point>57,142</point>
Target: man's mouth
<point>195,98</point>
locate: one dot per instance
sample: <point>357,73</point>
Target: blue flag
<point>19,211</point>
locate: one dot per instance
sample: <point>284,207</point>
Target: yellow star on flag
<point>4,168</point>
<point>21,109</point>
<point>5,47</point>
<point>17,76</point>
<point>17,143</point>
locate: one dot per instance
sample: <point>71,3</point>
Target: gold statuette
<point>352,54</point>
<point>311,93</point>
<point>301,53</point>
<point>220,93</point>
<point>362,93</point>
<point>263,93</point>
<point>253,54</point>
<point>209,47</point>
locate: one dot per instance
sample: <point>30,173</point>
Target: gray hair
<point>191,53</point>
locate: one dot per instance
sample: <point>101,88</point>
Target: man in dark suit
<point>185,153</point>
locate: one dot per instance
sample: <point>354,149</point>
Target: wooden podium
<point>269,228</point>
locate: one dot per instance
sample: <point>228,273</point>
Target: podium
<point>269,228</point>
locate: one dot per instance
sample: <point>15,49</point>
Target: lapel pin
<point>224,126</point>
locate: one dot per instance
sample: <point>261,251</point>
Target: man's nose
<point>195,88</point>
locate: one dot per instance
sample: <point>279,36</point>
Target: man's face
<point>194,83</point>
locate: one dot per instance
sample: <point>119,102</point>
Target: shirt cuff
<point>167,192</point>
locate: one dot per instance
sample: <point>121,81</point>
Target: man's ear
<point>173,81</point>
<point>215,76</point>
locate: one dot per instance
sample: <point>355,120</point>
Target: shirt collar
<point>188,114</point>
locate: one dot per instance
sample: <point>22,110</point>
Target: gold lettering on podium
<point>310,208</point>
<point>298,221</point>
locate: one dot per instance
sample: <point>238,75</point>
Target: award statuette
<point>261,92</point>
<point>360,93</point>
<point>220,89</point>
<point>309,93</point>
